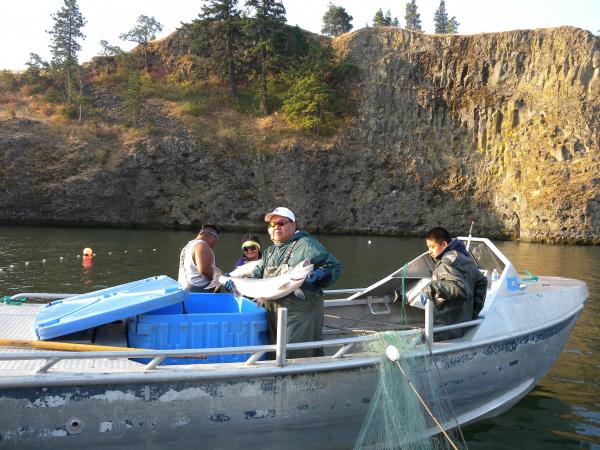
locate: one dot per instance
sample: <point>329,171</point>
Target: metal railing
<point>51,358</point>
<point>281,347</point>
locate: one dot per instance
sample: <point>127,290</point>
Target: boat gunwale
<point>235,370</point>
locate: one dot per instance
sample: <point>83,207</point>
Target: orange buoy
<point>87,251</point>
<point>87,261</point>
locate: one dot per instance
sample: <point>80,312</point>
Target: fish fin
<point>215,280</point>
<point>299,294</point>
<point>237,294</point>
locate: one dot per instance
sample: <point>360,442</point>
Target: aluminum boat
<point>93,400</point>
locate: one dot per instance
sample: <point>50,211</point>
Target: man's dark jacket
<point>457,288</point>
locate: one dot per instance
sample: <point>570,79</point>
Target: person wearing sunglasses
<point>197,260</point>
<point>290,247</point>
<point>250,250</point>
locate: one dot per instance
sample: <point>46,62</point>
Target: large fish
<point>244,270</point>
<point>264,289</point>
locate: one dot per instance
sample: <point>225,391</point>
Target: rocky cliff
<point>500,128</point>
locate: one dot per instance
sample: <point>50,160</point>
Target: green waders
<point>304,317</point>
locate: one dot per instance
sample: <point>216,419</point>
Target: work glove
<point>316,276</point>
<point>228,285</point>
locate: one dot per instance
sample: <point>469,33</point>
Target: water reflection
<point>538,422</point>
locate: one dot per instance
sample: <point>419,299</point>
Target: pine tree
<point>384,20</point>
<point>133,99</point>
<point>109,50</point>
<point>269,18</point>
<point>219,31</point>
<point>336,21</point>
<point>412,18</point>
<point>379,19</point>
<point>143,32</point>
<point>440,18</point>
<point>452,26</point>
<point>64,46</point>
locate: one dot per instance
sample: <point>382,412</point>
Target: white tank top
<point>188,272</point>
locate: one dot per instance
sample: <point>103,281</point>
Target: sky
<point>23,23</point>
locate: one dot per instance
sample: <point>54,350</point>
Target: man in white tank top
<point>197,260</point>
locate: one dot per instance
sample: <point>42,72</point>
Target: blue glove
<point>316,276</point>
<point>228,285</point>
<point>423,299</point>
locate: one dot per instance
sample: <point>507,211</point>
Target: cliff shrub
<point>100,155</point>
<point>12,111</point>
<point>247,101</point>
<point>8,81</point>
<point>53,95</point>
<point>70,111</point>
<point>196,106</point>
<point>48,109</point>
<point>306,105</point>
<point>104,131</point>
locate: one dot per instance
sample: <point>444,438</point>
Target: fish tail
<point>217,273</point>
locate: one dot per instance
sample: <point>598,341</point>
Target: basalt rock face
<point>501,128</point>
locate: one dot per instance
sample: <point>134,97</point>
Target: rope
<point>530,276</point>
<point>412,386</point>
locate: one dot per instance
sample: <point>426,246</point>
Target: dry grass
<point>9,97</point>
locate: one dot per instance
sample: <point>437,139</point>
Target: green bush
<point>196,106</point>
<point>101,156</point>
<point>53,95</point>
<point>247,101</point>
<point>307,104</point>
<point>8,81</point>
<point>71,111</point>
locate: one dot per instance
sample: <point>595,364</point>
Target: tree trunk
<point>264,107</point>
<point>80,96</point>
<point>69,84</point>
<point>231,67</point>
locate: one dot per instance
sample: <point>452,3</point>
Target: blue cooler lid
<point>85,311</point>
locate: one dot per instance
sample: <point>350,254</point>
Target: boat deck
<point>17,322</point>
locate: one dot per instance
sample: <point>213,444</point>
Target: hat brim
<point>270,215</point>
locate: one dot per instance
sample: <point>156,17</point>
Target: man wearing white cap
<point>291,247</point>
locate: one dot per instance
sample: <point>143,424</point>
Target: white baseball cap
<point>281,211</point>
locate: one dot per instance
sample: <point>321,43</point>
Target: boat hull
<point>318,405</point>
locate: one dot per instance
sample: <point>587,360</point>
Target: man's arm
<point>448,286</point>
<point>204,260</point>
<point>322,259</point>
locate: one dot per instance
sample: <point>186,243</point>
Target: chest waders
<point>305,316</point>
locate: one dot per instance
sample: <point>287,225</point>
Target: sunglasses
<point>281,223</point>
<point>251,248</point>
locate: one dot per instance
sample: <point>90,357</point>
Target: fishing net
<point>9,301</point>
<point>397,419</point>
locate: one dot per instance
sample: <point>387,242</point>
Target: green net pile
<point>9,301</point>
<point>397,419</point>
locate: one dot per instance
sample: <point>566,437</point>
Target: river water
<point>562,412</point>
